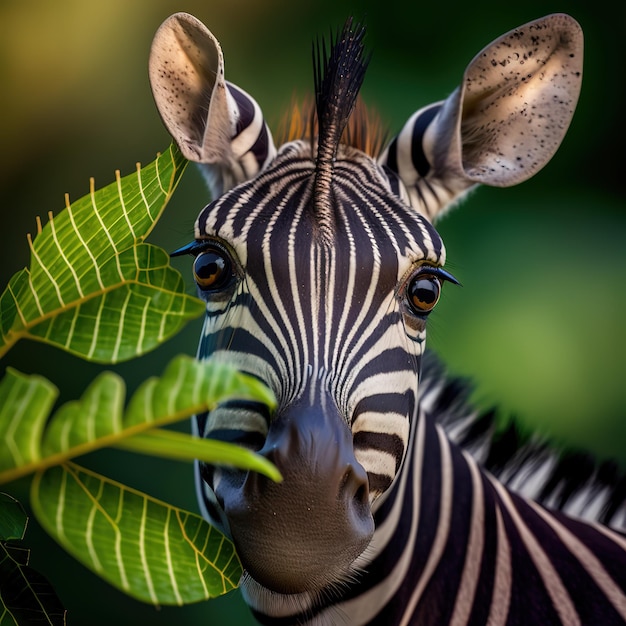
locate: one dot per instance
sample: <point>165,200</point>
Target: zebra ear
<point>213,122</point>
<point>504,122</point>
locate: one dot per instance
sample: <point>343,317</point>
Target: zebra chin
<point>264,602</point>
<point>304,533</point>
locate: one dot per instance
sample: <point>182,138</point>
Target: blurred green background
<point>539,322</point>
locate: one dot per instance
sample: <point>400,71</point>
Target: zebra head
<point>319,266</point>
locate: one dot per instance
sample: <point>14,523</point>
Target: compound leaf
<point>98,419</point>
<point>94,288</point>
<point>151,550</point>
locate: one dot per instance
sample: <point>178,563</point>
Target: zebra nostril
<point>361,495</point>
<point>353,486</point>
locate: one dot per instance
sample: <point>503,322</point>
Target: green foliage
<point>27,597</point>
<point>33,442</point>
<point>151,550</point>
<point>94,288</point>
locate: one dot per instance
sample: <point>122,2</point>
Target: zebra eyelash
<point>425,269</point>
<point>196,247</point>
<point>439,272</point>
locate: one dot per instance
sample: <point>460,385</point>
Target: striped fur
<point>319,267</point>
<point>471,551</point>
<point>357,335</point>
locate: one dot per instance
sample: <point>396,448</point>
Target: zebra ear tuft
<point>502,125</point>
<point>213,122</point>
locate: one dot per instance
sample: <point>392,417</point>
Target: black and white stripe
<point>321,246</point>
<point>452,545</point>
<point>251,144</point>
<point>282,303</point>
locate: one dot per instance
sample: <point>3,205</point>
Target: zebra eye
<point>212,269</point>
<point>423,293</point>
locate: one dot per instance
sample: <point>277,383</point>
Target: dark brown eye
<point>212,269</point>
<point>423,293</point>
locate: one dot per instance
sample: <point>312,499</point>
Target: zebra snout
<point>304,533</point>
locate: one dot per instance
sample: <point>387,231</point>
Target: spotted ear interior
<point>501,125</point>
<point>213,122</point>
<point>186,70</point>
<point>517,100</point>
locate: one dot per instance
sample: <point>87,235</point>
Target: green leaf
<point>93,287</point>
<point>26,597</point>
<point>174,445</point>
<point>186,382</point>
<point>13,518</point>
<point>25,403</point>
<point>152,551</point>
<point>187,387</point>
<point>143,304</point>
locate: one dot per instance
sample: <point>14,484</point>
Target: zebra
<point>319,265</point>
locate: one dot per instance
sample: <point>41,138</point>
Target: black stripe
<point>260,148</point>
<point>390,444</point>
<point>392,155</point>
<point>392,176</point>
<point>246,108</point>
<point>420,162</point>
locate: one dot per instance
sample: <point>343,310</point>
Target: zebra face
<point>333,322</point>
<point>319,267</point>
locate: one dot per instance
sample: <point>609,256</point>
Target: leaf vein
<point>62,254</point>
<point>120,327</point>
<point>17,304</point>
<point>93,555</point>
<point>168,557</point>
<point>85,246</point>
<point>118,180</point>
<point>143,195</point>
<point>142,553</point>
<point>46,271</point>
<point>96,210</point>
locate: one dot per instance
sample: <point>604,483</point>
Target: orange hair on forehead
<point>364,130</point>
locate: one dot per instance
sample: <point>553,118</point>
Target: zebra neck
<point>455,546</point>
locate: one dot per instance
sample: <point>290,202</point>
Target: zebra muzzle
<point>304,533</point>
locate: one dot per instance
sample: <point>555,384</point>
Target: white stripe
<point>471,570</point>
<point>376,461</point>
<point>503,577</point>
<point>554,586</point>
<point>401,382</point>
<point>385,423</point>
<point>588,560</point>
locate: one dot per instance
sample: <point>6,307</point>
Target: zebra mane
<point>338,76</point>
<point>568,480</point>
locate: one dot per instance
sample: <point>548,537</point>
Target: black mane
<point>338,76</point>
<point>513,456</point>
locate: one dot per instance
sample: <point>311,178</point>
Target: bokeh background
<point>539,323</point>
